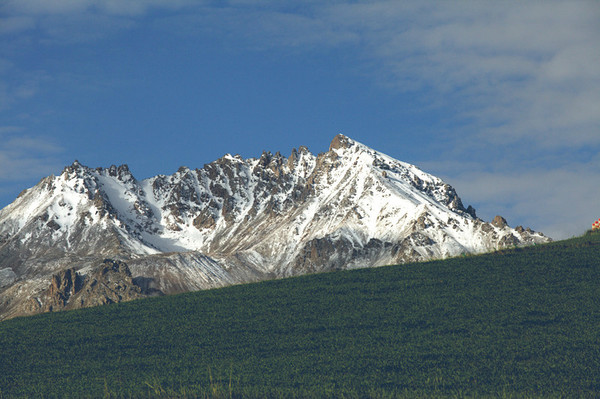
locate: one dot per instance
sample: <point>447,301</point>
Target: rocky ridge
<point>109,282</point>
<point>236,220</point>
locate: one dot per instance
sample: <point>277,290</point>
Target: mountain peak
<point>341,141</point>
<point>75,169</point>
<point>238,220</point>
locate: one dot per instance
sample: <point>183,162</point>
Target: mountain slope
<point>239,220</point>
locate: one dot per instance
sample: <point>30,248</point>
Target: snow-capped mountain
<point>237,220</point>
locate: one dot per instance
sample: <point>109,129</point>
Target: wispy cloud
<point>79,21</point>
<point>561,202</point>
<point>515,71</point>
<point>13,25</point>
<point>17,85</point>
<point>111,7</point>
<point>23,156</point>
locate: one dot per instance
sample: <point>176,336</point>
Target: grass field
<point>514,323</point>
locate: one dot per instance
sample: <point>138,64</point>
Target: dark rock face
<point>317,255</point>
<point>508,241</point>
<point>471,211</point>
<point>109,282</point>
<point>63,287</point>
<point>148,286</point>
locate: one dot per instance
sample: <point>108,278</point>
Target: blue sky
<point>500,99</point>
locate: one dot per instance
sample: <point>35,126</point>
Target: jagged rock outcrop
<point>63,287</point>
<point>499,222</point>
<point>232,221</point>
<point>109,282</point>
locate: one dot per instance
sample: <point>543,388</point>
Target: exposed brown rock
<point>499,222</point>
<point>205,220</point>
<point>63,286</point>
<point>487,227</point>
<point>317,254</point>
<point>420,240</point>
<point>293,159</point>
<point>109,282</point>
<point>340,141</point>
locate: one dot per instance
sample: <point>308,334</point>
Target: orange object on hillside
<point>596,225</point>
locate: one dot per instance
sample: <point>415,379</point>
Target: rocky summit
<point>233,221</point>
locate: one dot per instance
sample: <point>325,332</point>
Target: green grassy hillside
<point>515,323</point>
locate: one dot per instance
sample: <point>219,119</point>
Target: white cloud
<point>560,202</point>
<point>531,67</point>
